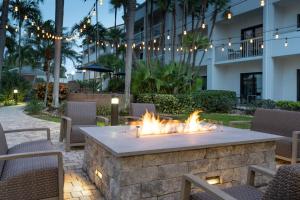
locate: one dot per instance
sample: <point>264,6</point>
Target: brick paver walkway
<point>77,184</point>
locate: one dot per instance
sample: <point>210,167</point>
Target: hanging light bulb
<point>251,40</point>
<point>223,49</point>
<point>229,13</point>
<point>154,41</point>
<point>168,37</point>
<point>276,34</point>
<point>165,49</point>
<point>184,32</point>
<point>177,49</point>
<point>262,2</point>
<point>16,9</point>
<point>101,2</point>
<point>94,12</point>
<point>181,49</point>
<point>43,31</point>
<point>203,25</point>
<point>229,42</point>
<point>241,47</point>
<point>118,45</point>
<point>169,48</point>
<point>89,20</point>
<point>81,30</point>
<point>286,44</point>
<point>205,50</point>
<point>140,47</point>
<point>262,45</point>
<point>149,48</point>
<point>84,26</point>
<point>6,26</point>
<point>16,29</point>
<point>25,17</point>
<point>32,23</point>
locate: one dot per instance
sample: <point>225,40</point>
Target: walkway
<point>77,184</point>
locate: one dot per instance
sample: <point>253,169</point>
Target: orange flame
<point>152,125</point>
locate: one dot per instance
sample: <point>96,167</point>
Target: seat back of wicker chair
<point>3,147</point>
<point>278,122</point>
<point>285,184</point>
<point>139,109</point>
<point>82,113</point>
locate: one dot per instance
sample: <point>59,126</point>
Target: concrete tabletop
<point>121,140</point>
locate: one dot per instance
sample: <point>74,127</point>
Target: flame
<point>153,125</point>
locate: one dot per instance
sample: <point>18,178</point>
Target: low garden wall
<point>103,100</point>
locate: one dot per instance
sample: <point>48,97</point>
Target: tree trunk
<point>174,31</point>
<point>47,88</point>
<point>4,17</point>
<point>116,13</point>
<point>19,47</point>
<point>130,16</point>
<point>59,15</point>
<point>146,34</point>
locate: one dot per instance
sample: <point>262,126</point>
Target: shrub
<point>288,105</point>
<point>103,110</point>
<point>116,85</point>
<point>34,107</point>
<point>215,100</point>
<point>9,102</point>
<point>41,88</point>
<point>209,101</point>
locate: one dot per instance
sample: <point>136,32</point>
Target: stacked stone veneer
<point>158,176</point>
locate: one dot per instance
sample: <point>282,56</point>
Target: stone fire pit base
<point>158,176</point>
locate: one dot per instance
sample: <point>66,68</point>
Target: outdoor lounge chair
<point>78,114</point>
<point>30,170</point>
<point>284,185</point>
<point>283,123</point>
<point>137,110</point>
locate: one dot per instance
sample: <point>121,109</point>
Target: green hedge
<point>288,105</point>
<point>209,101</point>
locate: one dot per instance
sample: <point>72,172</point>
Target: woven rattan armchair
<point>279,122</point>
<point>78,114</point>
<point>30,170</point>
<point>137,110</point>
<point>285,184</point>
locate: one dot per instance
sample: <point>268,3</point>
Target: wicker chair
<point>78,114</point>
<point>31,170</point>
<point>279,122</point>
<point>137,110</point>
<point>284,185</point>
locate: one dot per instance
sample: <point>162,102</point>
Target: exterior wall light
<point>213,180</point>
<point>114,111</point>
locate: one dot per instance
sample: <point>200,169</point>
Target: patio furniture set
<point>126,167</point>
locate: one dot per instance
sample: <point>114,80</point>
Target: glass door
<point>251,87</point>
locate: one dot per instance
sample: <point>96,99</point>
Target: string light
<point>262,2</point>
<point>262,45</point>
<point>101,2</point>
<point>251,40</point>
<point>205,50</point>
<point>276,34</point>
<point>168,37</point>
<point>211,44</point>
<point>241,47</point>
<point>154,41</point>
<point>223,49</point>
<point>169,48</point>
<point>16,9</point>
<point>203,24</point>
<point>286,44</point>
<point>229,13</point>
<point>229,42</point>
<point>6,26</point>
<point>25,17</point>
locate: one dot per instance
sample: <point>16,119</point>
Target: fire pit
<point>124,166</point>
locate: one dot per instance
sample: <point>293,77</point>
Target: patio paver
<point>77,183</point>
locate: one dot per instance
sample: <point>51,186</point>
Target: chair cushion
<point>30,178</point>
<point>243,192</point>
<point>277,122</point>
<point>285,184</point>
<point>3,147</point>
<point>83,113</point>
<point>139,109</point>
<point>284,147</point>
<point>76,134</point>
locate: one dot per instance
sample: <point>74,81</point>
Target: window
<point>251,87</point>
<point>252,32</point>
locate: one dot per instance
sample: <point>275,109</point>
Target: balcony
<point>240,50</point>
<point>156,31</point>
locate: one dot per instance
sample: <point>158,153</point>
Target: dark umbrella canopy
<point>95,68</point>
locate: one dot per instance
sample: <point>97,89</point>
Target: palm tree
<point>117,4</point>
<point>115,36</point>
<point>21,11</point>
<point>129,22</point>
<point>59,15</point>
<point>173,10</point>
<point>4,16</point>
<point>164,8</point>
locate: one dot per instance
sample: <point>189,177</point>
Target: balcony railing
<point>156,31</point>
<point>239,50</point>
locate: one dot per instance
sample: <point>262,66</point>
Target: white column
<point>212,72</point>
<point>268,63</point>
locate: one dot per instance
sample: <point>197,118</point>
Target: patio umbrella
<point>95,68</point>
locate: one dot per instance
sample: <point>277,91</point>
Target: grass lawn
<point>218,117</point>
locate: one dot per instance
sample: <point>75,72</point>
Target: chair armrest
<point>232,123</point>
<point>295,146</point>
<point>42,154</point>
<point>65,127</point>
<point>253,169</point>
<point>190,179</point>
<point>105,119</point>
<point>30,129</point>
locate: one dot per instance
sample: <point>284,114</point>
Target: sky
<point>75,10</point>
